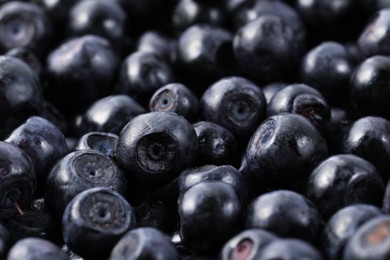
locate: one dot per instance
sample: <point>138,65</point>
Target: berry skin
<point>328,68</point>
<point>209,215</point>
<point>303,100</point>
<point>155,147</point>
<point>205,54</point>
<point>370,241</point>
<point>290,249</point>
<point>43,142</point>
<point>142,73</point>
<point>99,141</point>
<point>292,136</point>
<point>267,49</point>
<point>35,248</point>
<point>102,18</point>
<point>21,94</point>
<point>368,138</point>
<point>25,25</point>
<point>177,98</point>
<point>343,180</point>
<point>216,144</point>
<point>342,225</point>
<point>27,56</point>
<point>79,171</point>
<point>109,114</point>
<point>374,40</point>
<point>286,214</point>
<point>190,12</point>
<point>249,11</point>
<point>158,43</point>
<point>144,243</point>
<point>235,103</point>
<point>95,220</point>
<point>369,87</point>
<point>17,180</point>
<point>83,67</point>
<point>224,173</point>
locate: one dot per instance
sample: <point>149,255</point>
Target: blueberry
<point>370,241</point>
<point>342,225</point>
<point>328,68</point>
<point>369,87</point>
<point>247,244</point>
<point>141,74</point>
<point>368,138</point>
<point>190,12</point>
<point>42,141</point>
<point>95,220</point>
<point>159,43</point>
<point>109,114</point>
<point>286,214</point>
<point>224,173</point>
<point>35,248</point>
<point>21,94</point>
<point>375,37</point>
<point>343,180</point>
<point>83,67</point>
<point>250,10</point>
<point>155,147</point>
<point>290,249</point>
<point>284,150</point>
<point>304,100</point>
<point>102,18</point>
<point>143,244</point>
<point>175,97</point>
<point>25,25</point>
<point>209,215</point>
<point>205,54</point>
<point>235,103</point>
<point>267,49</point>
<point>100,141</point>
<point>216,144</point>
<point>78,171</point>
<point>28,56</point>
<point>18,180</point>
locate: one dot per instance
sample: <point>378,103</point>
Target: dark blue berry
<point>144,243</point>
<point>343,180</point>
<point>155,147</point>
<point>95,220</point>
<point>286,214</point>
<point>342,225</point>
<point>79,171</point>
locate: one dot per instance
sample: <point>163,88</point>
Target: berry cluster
<point>194,129</point>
